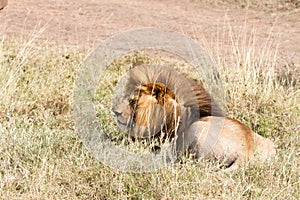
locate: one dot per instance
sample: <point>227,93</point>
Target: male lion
<point>162,102</point>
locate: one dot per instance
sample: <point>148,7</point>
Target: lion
<point>161,102</point>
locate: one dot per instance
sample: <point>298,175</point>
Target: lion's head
<point>149,110</point>
<point>158,100</point>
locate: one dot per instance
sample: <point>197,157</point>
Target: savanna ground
<point>254,44</point>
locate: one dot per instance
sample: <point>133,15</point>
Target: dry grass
<point>41,156</point>
<point>265,5</point>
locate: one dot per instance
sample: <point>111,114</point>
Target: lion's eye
<point>132,101</point>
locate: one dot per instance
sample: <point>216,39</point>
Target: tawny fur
<point>165,102</point>
<point>226,140</point>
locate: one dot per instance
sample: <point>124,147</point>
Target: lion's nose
<point>117,113</point>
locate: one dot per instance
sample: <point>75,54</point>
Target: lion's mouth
<point>121,123</point>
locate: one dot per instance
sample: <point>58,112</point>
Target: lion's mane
<point>169,102</point>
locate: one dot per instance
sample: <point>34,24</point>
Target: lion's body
<point>226,140</point>
<point>163,102</point>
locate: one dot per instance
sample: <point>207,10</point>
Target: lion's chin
<point>138,131</point>
<point>124,126</point>
<point>144,131</point>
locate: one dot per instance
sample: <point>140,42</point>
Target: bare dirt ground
<point>86,23</point>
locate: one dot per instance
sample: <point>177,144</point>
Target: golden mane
<point>189,92</point>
